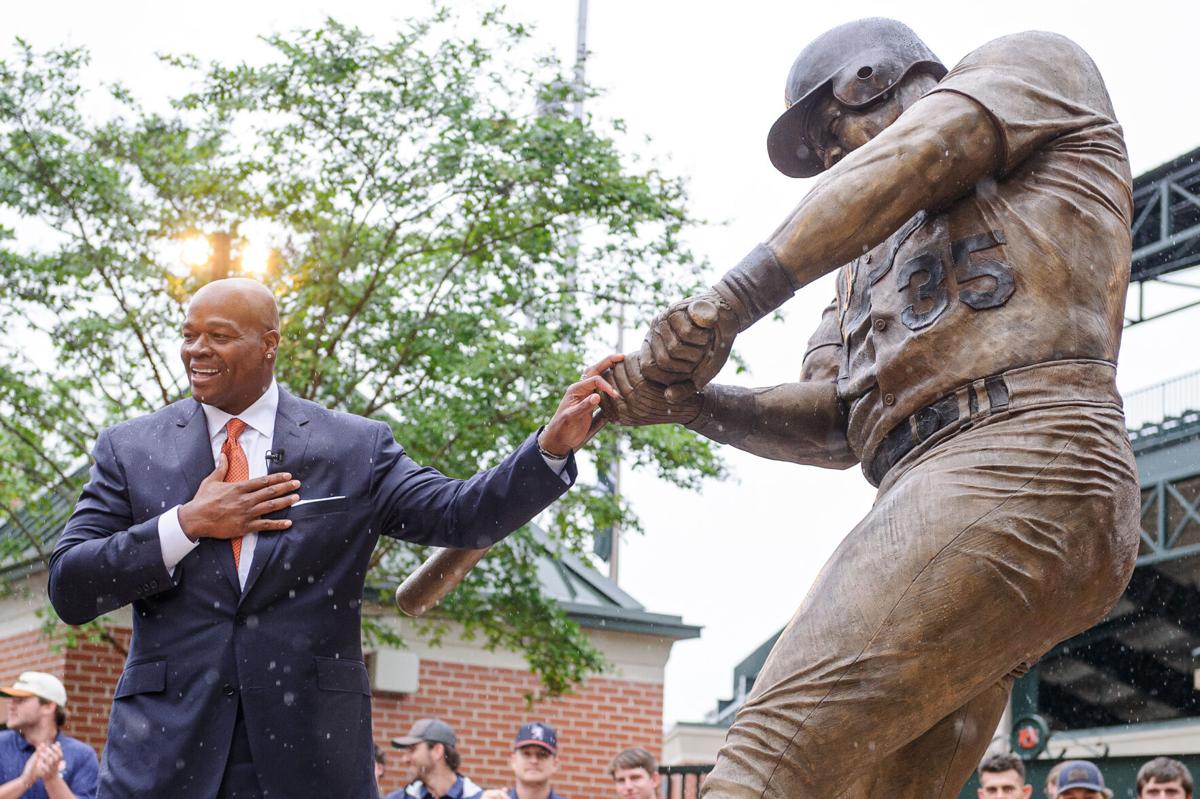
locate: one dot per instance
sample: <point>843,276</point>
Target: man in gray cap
<point>434,757</point>
<point>36,759</point>
<point>402,765</point>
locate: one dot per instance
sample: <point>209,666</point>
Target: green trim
<point>630,621</point>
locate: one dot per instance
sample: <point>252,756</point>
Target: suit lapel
<point>291,436</point>
<point>193,445</point>
<point>196,461</point>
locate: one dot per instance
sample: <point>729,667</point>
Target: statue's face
<point>834,130</point>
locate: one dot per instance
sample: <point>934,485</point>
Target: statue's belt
<point>1075,381</point>
<point>905,436</point>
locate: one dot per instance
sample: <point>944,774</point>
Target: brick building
<point>481,693</point>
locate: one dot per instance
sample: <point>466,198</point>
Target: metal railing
<point>683,782</point>
<point>1176,398</point>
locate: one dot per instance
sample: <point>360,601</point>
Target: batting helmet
<point>861,60</point>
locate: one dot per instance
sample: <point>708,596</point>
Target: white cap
<point>38,683</point>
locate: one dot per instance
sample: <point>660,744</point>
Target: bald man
<point>239,524</point>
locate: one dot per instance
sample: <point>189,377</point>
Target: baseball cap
<point>1080,774</point>
<point>535,733</point>
<point>433,731</point>
<point>40,684</point>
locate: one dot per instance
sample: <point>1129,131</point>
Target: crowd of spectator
<point>1002,776</point>
<point>430,765</point>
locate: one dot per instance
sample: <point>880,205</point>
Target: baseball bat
<point>446,568</point>
<point>437,576</point>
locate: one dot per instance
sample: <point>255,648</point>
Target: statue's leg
<point>936,765</point>
<point>944,757</point>
<point>979,555</point>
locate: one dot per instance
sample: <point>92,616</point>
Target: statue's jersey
<point>1031,266</point>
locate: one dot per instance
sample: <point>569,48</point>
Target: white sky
<point>705,81</point>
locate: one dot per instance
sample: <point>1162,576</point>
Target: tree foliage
<point>449,247</point>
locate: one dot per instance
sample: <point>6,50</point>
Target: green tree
<point>448,247</point>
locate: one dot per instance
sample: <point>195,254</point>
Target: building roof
<point>744,675</point>
<point>1171,167</point>
<point>27,538</point>
<point>595,601</point>
<point>1166,218</point>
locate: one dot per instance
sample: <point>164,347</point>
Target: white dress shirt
<point>255,440</point>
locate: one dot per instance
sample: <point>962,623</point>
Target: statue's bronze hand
<point>644,401</point>
<point>690,341</point>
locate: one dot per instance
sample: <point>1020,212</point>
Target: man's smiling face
<point>229,344</point>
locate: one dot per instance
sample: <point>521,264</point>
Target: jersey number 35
<point>932,295</point>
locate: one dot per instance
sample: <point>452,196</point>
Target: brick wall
<point>484,704</point>
<point>89,672</point>
<point>27,651</point>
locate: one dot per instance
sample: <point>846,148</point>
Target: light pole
<point>213,257</point>
<point>218,261</point>
<point>612,480</point>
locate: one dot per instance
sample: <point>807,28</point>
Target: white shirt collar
<point>260,415</point>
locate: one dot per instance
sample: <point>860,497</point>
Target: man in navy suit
<point>239,523</point>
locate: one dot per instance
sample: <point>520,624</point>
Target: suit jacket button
<point>889,399</point>
<point>227,689</point>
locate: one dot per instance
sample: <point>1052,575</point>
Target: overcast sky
<point>704,81</point>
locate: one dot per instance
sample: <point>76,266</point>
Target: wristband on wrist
<point>756,286</point>
<point>548,454</point>
<point>725,413</point>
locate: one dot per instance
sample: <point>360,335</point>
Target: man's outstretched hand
<point>568,430</point>
<point>689,342</point>
<point>642,401</point>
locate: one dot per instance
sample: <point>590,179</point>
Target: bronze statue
<point>979,222</point>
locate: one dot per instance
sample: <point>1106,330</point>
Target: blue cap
<point>535,733</point>
<point>1080,774</point>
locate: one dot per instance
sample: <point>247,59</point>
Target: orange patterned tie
<point>238,469</point>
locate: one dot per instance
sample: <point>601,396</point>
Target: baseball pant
<point>988,544</point>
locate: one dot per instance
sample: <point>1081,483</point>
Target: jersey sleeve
<point>1039,88</point>
<point>823,355</point>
